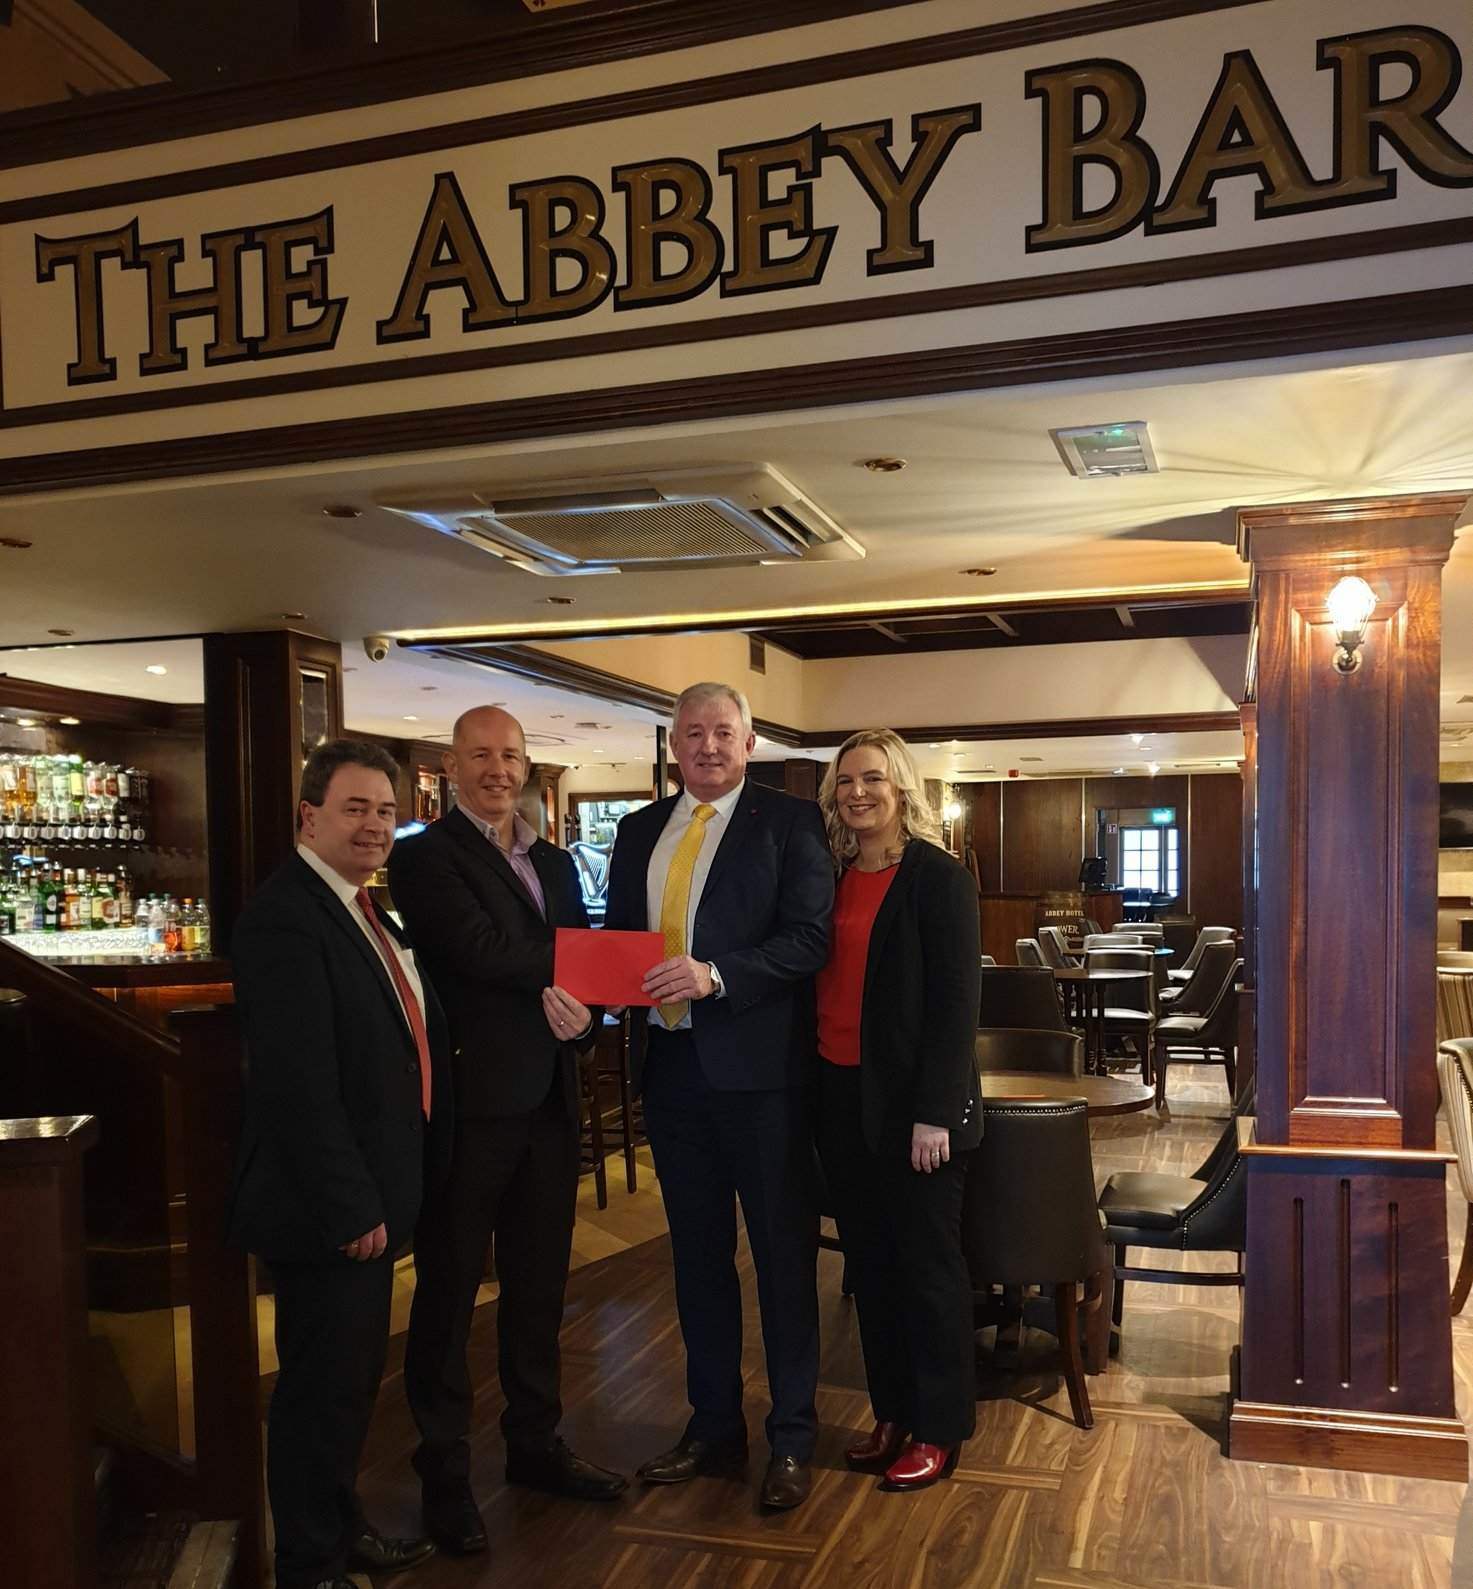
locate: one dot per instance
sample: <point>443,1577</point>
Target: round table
<point>1085,991</point>
<point>1103,1095</point>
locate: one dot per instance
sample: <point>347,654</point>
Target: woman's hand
<point>930,1147</point>
<point>565,1015</point>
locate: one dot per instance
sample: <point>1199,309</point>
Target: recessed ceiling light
<point>63,633</point>
<point>978,573</point>
<point>341,510</point>
<point>410,718</point>
<point>70,722</point>
<point>157,668</point>
<point>350,670</point>
<point>292,616</point>
<point>1153,767</point>
<point>1030,758</point>
<point>25,722</point>
<point>1137,739</point>
<point>559,601</point>
<point>883,465</point>
<point>428,687</point>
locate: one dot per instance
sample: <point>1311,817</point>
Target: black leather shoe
<point>688,1459</point>
<point>335,1583</point>
<point>786,1483</point>
<point>560,1471</point>
<point>369,1551</point>
<point>453,1521</point>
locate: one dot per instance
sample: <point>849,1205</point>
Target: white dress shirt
<point>663,853</point>
<point>348,893</point>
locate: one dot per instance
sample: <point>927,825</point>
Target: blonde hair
<point>918,819</point>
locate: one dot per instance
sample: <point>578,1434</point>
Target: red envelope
<point>598,966</point>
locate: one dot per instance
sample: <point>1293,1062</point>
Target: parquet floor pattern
<point>1145,1500</point>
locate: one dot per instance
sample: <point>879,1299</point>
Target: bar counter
<point>114,965</point>
<point>1006,917</point>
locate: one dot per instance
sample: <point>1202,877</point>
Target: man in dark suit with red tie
<point>483,897</point>
<point>347,1118</point>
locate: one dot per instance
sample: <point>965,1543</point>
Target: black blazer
<point>922,987</point>
<point>762,920</point>
<point>334,1141</point>
<point>490,954</point>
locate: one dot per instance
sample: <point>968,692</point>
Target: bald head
<point>487,763</point>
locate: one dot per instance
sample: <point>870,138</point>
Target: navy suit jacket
<point>491,954</point>
<point>762,920</point>
<point>335,1140</point>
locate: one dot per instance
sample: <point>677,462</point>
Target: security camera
<point>377,646</point>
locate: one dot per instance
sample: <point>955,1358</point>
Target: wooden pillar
<point>1248,996</point>
<point>46,1430</point>
<point>269,699</point>
<point>1347,1352</point>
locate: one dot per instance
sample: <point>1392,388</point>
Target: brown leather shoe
<point>877,1450</point>
<point>786,1483</point>
<point>689,1459</point>
<point>919,1466</point>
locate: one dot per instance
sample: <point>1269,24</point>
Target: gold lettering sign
<point>579,238</point>
<point>759,217</point>
<point>685,222</point>
<point>287,286</point>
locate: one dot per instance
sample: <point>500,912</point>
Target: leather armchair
<point>1029,952</point>
<point>1183,972</point>
<point>1196,997</point>
<point>1131,1011</point>
<point>1025,1048</point>
<point>1055,1242</point>
<point>1020,996</point>
<point>1055,948</point>
<point>1215,1033</point>
<point>1455,1077</point>
<point>1206,1211</point>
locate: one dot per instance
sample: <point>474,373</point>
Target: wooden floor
<point>1145,1500</point>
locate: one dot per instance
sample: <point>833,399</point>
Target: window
<point>1150,859</point>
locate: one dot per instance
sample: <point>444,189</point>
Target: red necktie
<point>412,1011</point>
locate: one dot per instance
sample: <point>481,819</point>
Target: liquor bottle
<point>110,911</point>
<point>173,936</point>
<point>204,930</point>
<point>188,928</point>
<point>100,897</point>
<point>125,898</point>
<point>51,899</point>
<point>69,900</point>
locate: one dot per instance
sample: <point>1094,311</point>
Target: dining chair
<point>1205,1037</point>
<point>1179,933</point>
<point>1146,929</point>
<point>1206,1211</point>
<point>1454,997</point>
<point>1023,996</point>
<point>1091,925</point>
<point>1455,1077</point>
<point>1013,1237</point>
<point>1130,1008</point>
<point>1029,1049</point>
<point>1028,952</point>
<point>1183,972</point>
<point>1113,940</point>
<point>1195,997</point>
<point>987,960</point>
<point>1055,948</point>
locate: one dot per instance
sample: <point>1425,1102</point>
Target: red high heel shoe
<point>920,1465</point>
<point>877,1450</point>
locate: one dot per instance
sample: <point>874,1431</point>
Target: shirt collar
<point>722,804</point>
<point>346,891</point>
<point>523,835</point>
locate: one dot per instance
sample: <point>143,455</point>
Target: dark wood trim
<point>1177,344</point>
<point>770,625</point>
<point>1357,1442</point>
<point>1045,728</point>
<point>526,663</point>
<point>93,707</point>
<point>800,317</point>
<point>649,27</point>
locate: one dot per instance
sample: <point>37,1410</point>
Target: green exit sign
<point>1165,817</point>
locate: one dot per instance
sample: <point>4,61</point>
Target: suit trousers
<point>513,1180</point>
<point>901,1231</point>
<point>712,1148</point>
<point>332,1329</point>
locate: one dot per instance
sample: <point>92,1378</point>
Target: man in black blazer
<point>483,896</point>
<point>739,879</point>
<point>347,1117</point>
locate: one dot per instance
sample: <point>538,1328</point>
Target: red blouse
<point>841,982</point>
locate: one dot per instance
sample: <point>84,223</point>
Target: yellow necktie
<point>675,902</point>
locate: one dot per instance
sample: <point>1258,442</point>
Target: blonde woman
<point>899,1106</point>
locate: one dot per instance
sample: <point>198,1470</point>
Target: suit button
<point>411,1068</point>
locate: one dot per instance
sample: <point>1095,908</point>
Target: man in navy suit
<point>484,897</point>
<point>739,880</point>
<point>347,1119</point>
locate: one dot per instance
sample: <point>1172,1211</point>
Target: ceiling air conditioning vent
<point>683,519</point>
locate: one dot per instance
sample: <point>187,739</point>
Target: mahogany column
<point>269,698</point>
<point>46,1427</point>
<point>1347,1351</point>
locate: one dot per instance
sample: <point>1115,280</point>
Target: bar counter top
<point>135,971</point>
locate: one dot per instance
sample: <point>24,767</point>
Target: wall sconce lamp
<point>953,810</point>
<point>1350,605</point>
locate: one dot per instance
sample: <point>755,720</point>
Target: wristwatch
<point>718,987</point>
